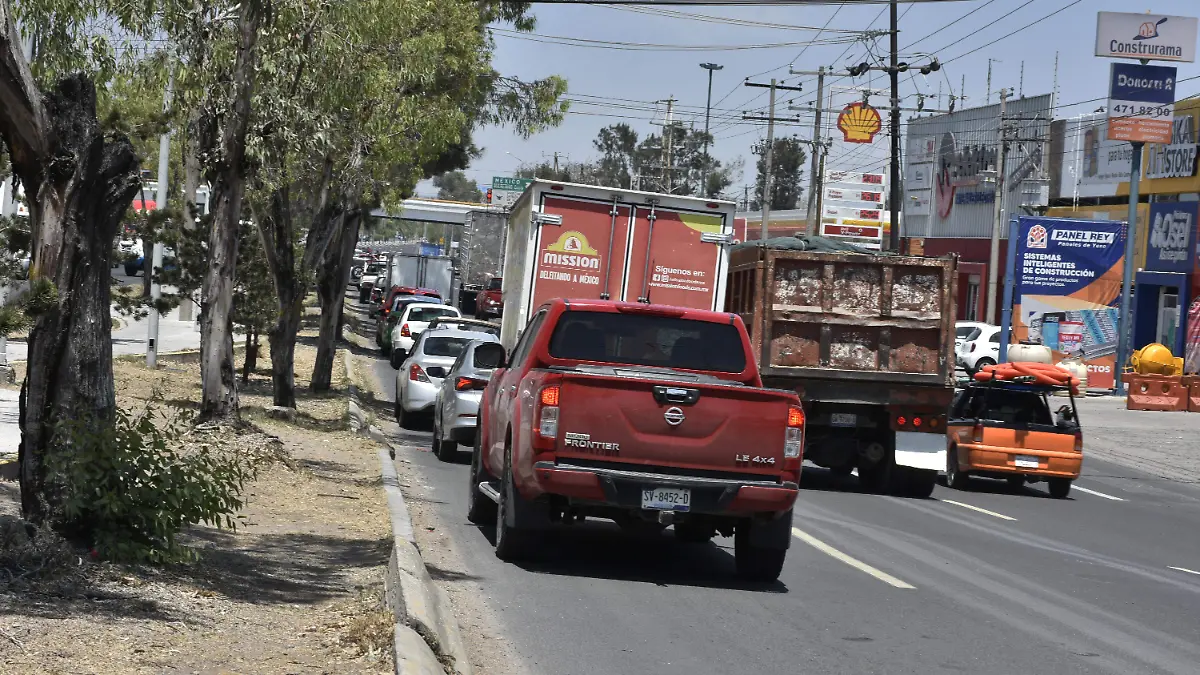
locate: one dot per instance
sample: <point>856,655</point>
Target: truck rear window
<point>665,342</point>
<point>494,284</point>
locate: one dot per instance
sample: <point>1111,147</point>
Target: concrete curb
<point>427,637</point>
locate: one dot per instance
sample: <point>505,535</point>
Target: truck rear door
<point>670,261</point>
<point>657,421</point>
<point>585,257</point>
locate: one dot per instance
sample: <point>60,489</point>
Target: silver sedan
<point>422,373</point>
<point>456,406</point>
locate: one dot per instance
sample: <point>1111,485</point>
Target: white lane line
<point>976,508</point>
<point>1184,569</point>
<point>853,562</point>
<point>1099,494</point>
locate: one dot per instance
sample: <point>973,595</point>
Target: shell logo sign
<point>859,123</point>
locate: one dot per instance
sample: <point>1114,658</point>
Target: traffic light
<point>489,196</point>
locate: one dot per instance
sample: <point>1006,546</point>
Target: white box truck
<point>583,241</point>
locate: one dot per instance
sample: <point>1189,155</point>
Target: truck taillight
<point>404,331</point>
<point>548,413</point>
<point>793,440</point>
<point>417,374</point>
<point>1078,441</point>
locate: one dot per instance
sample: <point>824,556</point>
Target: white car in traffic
<point>413,322</point>
<point>981,347</point>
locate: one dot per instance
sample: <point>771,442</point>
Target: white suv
<point>981,347</point>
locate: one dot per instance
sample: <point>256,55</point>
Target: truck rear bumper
<point>623,489</point>
<point>921,450</point>
<point>994,459</point>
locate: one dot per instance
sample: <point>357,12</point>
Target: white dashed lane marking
<point>980,510</point>
<point>1184,569</point>
<point>853,562</point>
<point>1098,494</point>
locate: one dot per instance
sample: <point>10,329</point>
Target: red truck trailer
<point>582,241</point>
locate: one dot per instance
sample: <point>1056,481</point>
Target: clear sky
<point>616,83</point>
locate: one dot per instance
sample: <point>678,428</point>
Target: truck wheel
<point>1059,487</point>
<point>480,509</point>
<point>955,477</point>
<point>512,543</point>
<point>875,477</point>
<point>760,547</point>
<point>919,482</point>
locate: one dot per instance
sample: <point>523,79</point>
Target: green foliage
<point>788,158</point>
<point>625,162</point>
<point>129,487</point>
<point>255,305</point>
<point>12,319</point>
<point>456,186</point>
<point>42,297</point>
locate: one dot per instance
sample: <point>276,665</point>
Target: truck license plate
<point>1026,461</point>
<point>666,499</point>
<point>843,419</point>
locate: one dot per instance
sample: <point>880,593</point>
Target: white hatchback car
<point>982,349</point>
<point>964,332</point>
<point>413,322</point>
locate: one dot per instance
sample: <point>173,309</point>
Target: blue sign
<point>1077,258</point>
<point>1172,238</point>
<point>1145,84</point>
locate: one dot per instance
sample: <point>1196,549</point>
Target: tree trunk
<point>251,363</point>
<point>333,274</point>
<point>218,380</point>
<point>147,261</point>
<point>83,184</point>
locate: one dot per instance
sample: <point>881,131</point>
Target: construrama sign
<point>1127,35</point>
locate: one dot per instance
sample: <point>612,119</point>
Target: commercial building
<point>950,196</point>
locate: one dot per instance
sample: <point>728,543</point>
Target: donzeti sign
<point>1141,103</point>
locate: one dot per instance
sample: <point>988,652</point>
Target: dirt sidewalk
<point>296,589</point>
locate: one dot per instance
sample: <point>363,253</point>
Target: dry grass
<point>295,589</point>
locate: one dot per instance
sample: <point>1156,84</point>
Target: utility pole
<point>710,67</point>
<point>813,213</point>
<point>160,198</point>
<point>668,141</point>
<point>770,150</point>
<point>997,216</point>
<point>894,71</point>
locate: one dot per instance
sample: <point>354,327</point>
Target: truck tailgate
<point>671,424</point>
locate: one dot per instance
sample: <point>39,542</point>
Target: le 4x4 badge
<point>759,460</point>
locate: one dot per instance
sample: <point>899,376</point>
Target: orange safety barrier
<point>1042,373</point>
<point>1192,382</point>
<point>1156,392</point>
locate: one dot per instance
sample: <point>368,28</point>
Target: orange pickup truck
<point>1005,429</point>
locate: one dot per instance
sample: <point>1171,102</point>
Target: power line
<point>649,46</point>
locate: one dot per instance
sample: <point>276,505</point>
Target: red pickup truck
<point>644,414</point>
<point>490,303</point>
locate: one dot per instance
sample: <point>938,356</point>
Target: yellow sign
<point>572,241</point>
<point>859,123</point>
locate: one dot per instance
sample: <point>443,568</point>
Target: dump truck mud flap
<point>921,450</point>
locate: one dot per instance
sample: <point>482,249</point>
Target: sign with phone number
<point>1141,103</point>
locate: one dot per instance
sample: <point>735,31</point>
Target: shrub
<point>129,487</point>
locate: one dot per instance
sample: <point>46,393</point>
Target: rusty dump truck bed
<point>825,324</point>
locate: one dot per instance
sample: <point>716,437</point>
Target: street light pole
<point>894,199</point>
<point>156,260</point>
<point>710,67</point>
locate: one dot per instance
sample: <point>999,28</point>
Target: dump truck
<point>867,342</point>
<point>587,242</point>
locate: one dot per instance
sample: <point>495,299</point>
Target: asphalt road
<point>987,581</point>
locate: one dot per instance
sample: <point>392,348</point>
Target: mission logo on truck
<point>572,250</point>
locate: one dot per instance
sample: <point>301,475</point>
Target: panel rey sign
<point>1141,103</point>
